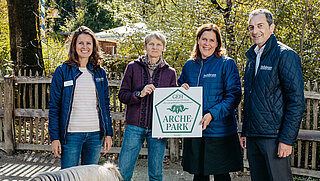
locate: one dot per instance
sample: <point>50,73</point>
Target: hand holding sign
<point>148,89</point>
<point>185,86</point>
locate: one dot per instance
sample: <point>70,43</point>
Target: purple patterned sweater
<point>139,110</point>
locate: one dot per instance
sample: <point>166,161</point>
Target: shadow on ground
<point>23,166</point>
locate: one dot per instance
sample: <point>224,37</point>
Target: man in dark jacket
<point>273,101</point>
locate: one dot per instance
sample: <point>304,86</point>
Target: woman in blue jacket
<point>217,152</point>
<point>79,115</point>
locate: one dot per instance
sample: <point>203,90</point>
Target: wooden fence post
<point>8,112</point>
<point>174,149</point>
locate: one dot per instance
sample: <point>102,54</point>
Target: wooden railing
<point>24,100</point>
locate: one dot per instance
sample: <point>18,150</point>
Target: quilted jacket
<point>61,98</point>
<point>220,80</point>
<point>274,98</point>
<point>136,76</point>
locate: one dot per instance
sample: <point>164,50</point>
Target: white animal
<point>106,172</point>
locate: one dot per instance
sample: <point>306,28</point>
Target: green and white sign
<point>177,112</point>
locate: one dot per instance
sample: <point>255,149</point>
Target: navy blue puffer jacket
<point>274,98</point>
<point>220,80</point>
<point>61,98</point>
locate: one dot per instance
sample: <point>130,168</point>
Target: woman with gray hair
<point>141,78</point>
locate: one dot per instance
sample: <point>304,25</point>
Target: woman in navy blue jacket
<point>79,114</point>
<point>217,152</point>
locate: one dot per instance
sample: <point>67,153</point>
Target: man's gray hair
<point>266,12</point>
<point>156,35</point>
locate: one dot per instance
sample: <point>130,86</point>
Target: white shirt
<point>84,115</point>
<point>259,53</point>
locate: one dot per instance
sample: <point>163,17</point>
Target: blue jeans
<point>134,137</point>
<point>87,144</point>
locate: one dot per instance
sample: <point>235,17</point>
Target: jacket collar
<point>271,42</point>
<point>206,59</point>
<point>89,66</point>
<point>75,70</point>
<point>140,61</point>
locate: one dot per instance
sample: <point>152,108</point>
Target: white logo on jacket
<point>99,79</point>
<point>265,67</point>
<point>210,75</point>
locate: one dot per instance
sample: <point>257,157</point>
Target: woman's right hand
<point>185,86</point>
<point>56,148</point>
<point>148,89</point>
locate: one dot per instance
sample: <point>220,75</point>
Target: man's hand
<point>243,142</point>
<point>284,150</point>
<point>56,148</point>
<point>107,144</point>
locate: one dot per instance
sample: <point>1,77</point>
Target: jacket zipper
<point>70,104</point>
<point>100,109</point>
<point>148,100</point>
<point>200,73</point>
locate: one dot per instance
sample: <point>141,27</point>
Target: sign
<point>177,112</point>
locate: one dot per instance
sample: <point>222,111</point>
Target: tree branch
<point>218,6</point>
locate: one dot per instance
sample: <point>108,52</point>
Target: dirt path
<point>24,165</point>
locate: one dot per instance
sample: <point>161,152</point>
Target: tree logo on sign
<point>177,108</point>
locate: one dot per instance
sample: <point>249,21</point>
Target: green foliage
<point>116,63</point>
<point>178,20</point>
<point>91,13</point>
<point>67,10</point>
<point>54,53</point>
<point>297,25</point>
<point>304,178</point>
<point>73,23</point>
<point>5,61</point>
<point>98,17</point>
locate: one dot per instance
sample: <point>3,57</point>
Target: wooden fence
<point>24,121</point>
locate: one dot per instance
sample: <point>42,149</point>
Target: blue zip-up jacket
<point>274,97</point>
<point>220,80</point>
<point>61,98</point>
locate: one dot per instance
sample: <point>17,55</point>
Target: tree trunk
<point>12,32</point>
<point>25,35</point>
<point>230,36</point>
<point>303,29</point>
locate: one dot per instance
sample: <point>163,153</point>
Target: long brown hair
<point>95,57</point>
<point>196,54</point>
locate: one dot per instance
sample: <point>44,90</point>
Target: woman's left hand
<point>206,120</point>
<point>107,144</point>
<point>185,86</point>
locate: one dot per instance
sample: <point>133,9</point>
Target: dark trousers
<point>264,163</point>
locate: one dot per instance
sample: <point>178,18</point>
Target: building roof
<point>115,34</point>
